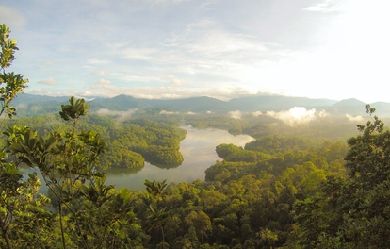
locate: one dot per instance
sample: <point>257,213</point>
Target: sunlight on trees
<point>279,191</point>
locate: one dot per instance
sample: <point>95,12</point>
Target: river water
<point>198,150</point>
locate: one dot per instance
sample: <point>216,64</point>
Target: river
<point>198,150</point>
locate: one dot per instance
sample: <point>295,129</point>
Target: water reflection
<point>198,150</point>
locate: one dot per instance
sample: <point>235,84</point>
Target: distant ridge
<point>120,102</point>
<point>29,104</point>
<point>204,103</point>
<point>354,106</point>
<point>350,103</point>
<point>124,102</point>
<point>277,102</point>
<point>27,98</point>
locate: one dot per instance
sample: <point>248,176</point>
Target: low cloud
<point>191,113</point>
<point>36,108</point>
<point>297,115</point>
<point>122,115</point>
<point>256,114</point>
<point>21,106</point>
<point>235,114</point>
<point>167,112</point>
<point>357,118</point>
<point>147,92</point>
<point>49,81</point>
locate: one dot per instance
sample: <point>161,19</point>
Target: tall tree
<point>352,213</point>
<point>18,197</point>
<point>11,84</point>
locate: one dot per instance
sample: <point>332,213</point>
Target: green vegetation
<point>352,212</point>
<point>129,143</point>
<point>283,190</point>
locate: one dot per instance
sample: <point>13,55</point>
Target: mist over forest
<point>303,157</point>
<point>162,124</point>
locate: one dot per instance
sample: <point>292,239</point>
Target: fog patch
<point>36,108</point>
<point>21,106</point>
<point>298,115</point>
<point>357,118</point>
<point>256,114</point>
<point>209,112</point>
<point>122,115</point>
<point>191,113</point>
<point>235,114</point>
<point>165,112</point>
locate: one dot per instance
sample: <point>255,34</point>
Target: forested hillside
<point>32,105</point>
<point>295,186</point>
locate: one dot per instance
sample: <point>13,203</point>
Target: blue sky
<point>333,49</point>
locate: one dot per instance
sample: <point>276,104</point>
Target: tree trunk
<point>61,225</point>
<point>4,229</point>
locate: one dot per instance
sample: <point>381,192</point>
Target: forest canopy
<point>279,191</point>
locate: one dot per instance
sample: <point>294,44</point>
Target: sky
<point>335,49</point>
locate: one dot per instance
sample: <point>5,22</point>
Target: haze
<point>334,49</point>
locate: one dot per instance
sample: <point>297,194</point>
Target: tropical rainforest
<point>293,187</point>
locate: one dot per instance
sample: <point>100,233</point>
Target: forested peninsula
<point>323,184</point>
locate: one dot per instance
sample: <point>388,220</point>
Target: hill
<point>30,105</point>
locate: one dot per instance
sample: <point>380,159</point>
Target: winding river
<point>198,150</point>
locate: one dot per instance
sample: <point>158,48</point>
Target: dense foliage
<point>352,212</point>
<point>280,191</point>
<point>129,143</point>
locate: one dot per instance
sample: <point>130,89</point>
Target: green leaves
<point>8,47</point>
<point>352,213</point>
<point>11,83</point>
<point>75,110</point>
<point>155,188</point>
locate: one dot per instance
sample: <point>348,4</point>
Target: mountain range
<point>29,104</point>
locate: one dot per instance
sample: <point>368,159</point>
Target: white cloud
<point>208,3</point>
<point>49,81</point>
<point>46,63</point>
<point>191,113</point>
<point>297,115</point>
<point>216,47</point>
<point>173,81</point>
<point>357,118</point>
<point>140,54</point>
<point>168,1</point>
<point>257,113</point>
<point>122,115</point>
<point>165,112</point>
<point>235,114</point>
<point>103,82</point>
<point>217,42</point>
<point>99,61</point>
<point>11,17</point>
<point>137,78</point>
<point>326,6</point>
<point>158,92</point>
<point>101,72</point>
<point>21,106</point>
